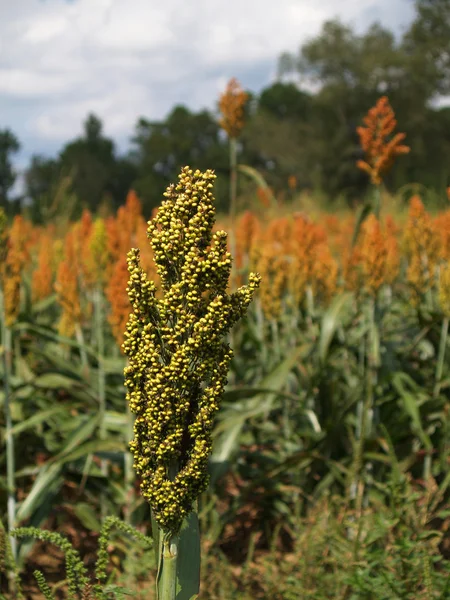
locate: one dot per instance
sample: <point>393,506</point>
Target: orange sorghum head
<point>373,254</point>
<point>116,292</point>
<point>231,105</point>
<point>41,283</point>
<point>422,245</point>
<point>292,182</point>
<point>12,278</point>
<point>376,141</point>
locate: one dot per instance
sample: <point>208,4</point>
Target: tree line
<point>290,133</point>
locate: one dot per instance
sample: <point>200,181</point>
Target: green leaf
<point>55,381</point>
<point>188,563</point>
<point>86,514</point>
<point>400,380</point>
<point>331,320</point>
<point>39,417</point>
<point>259,180</point>
<point>94,447</point>
<point>48,479</point>
<point>232,421</point>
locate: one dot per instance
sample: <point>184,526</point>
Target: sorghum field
<point>325,437</point>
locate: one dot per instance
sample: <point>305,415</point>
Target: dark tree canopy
<point>9,145</point>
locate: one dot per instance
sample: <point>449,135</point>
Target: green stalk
<point>166,579</point>
<point>377,201</point>
<point>233,185</point>
<point>372,351</point>
<point>101,381</point>
<point>128,467</point>
<point>441,357</point>
<point>233,200</point>
<point>80,339</point>
<point>10,454</point>
<point>167,572</point>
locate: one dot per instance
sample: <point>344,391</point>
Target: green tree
<point>97,174</point>
<point>427,44</point>
<point>9,145</point>
<point>161,148</point>
<point>278,135</point>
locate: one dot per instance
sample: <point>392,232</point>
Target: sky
<point>123,59</point>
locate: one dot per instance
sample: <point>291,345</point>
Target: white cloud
<point>122,59</point>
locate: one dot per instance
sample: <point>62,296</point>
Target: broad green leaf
<point>231,423</point>
<point>49,477</point>
<point>94,447</point>
<point>188,563</point>
<point>39,417</point>
<point>55,381</point>
<point>331,320</point>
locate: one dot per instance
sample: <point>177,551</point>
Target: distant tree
<point>161,148</point>
<point>9,145</point>
<point>277,137</point>
<point>40,176</point>
<point>44,181</point>
<point>427,43</point>
<point>92,163</point>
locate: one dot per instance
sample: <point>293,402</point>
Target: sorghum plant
<point>381,147</point>
<point>232,106</point>
<point>178,361</point>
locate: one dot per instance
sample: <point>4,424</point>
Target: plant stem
<point>168,568</point>
<point>441,357</point>
<point>233,184</point>
<point>377,201</point>
<point>128,466</point>
<point>80,339</point>
<point>10,454</point>
<point>101,381</point>
<point>233,201</point>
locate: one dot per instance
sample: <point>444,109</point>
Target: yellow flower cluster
<point>178,361</point>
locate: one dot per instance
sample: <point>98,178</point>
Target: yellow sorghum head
<point>273,266</point>
<point>96,256</point>
<point>66,287</point>
<point>178,362</point>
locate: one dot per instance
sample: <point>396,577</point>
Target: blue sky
<point>123,59</point>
